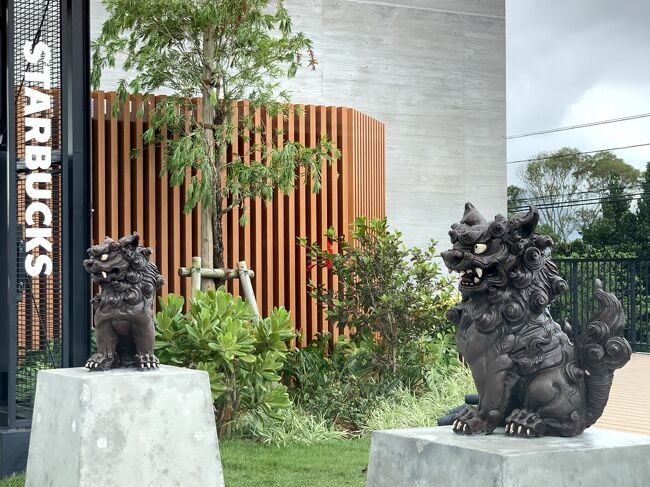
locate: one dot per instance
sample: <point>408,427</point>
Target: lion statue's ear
<point>524,224</point>
<point>130,240</point>
<point>471,216</point>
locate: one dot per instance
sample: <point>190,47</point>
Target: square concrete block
<point>123,428</point>
<point>439,457</point>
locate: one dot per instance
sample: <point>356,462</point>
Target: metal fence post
<point>632,298</point>
<point>574,298</point>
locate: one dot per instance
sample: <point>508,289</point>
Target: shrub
<point>404,409</point>
<point>242,355</point>
<point>290,426</point>
<point>387,294</point>
<point>341,384</point>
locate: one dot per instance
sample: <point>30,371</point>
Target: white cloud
<point>576,62</point>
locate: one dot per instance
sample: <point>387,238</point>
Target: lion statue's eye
<point>480,248</point>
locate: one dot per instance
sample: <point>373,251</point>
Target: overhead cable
<point>573,154</point>
<point>579,126</point>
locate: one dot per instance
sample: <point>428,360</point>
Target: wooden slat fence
<point>129,194</point>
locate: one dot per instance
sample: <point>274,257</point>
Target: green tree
<point>615,229</point>
<point>515,198</point>
<point>222,51</point>
<point>566,185</point>
<point>601,165</point>
<point>643,214</point>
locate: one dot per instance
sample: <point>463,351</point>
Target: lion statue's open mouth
<point>529,375</point>
<point>123,309</point>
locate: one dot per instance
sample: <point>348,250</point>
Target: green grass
<point>406,410</point>
<point>13,482</point>
<point>340,462</point>
<point>248,464</point>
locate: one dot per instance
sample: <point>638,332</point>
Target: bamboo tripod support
<point>196,272</point>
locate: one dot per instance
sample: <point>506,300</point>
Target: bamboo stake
<point>247,286</point>
<point>196,273</point>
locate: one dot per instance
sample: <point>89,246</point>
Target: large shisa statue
<point>529,375</point>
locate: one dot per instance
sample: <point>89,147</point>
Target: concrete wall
<point>434,72</point>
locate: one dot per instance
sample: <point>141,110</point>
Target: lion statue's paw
<point>524,423</point>
<point>146,361</point>
<point>469,422</point>
<point>101,361</point>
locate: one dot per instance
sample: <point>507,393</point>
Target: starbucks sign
<point>38,159</point>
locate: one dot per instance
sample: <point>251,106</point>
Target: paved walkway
<point>629,400</point>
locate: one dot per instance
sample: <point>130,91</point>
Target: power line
<point>585,202</point>
<point>533,199</point>
<point>579,126</point>
<point>578,153</point>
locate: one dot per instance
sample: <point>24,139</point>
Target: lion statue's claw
<point>524,423</point>
<point>146,361</point>
<point>470,423</point>
<point>100,361</point>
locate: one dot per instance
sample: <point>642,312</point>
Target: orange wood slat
<point>346,170</point>
<point>196,214</point>
<point>332,198</point>
<point>162,214</point>
<point>373,170</point>
<point>245,251</point>
<point>312,235</point>
<point>290,235</point>
<point>321,129</point>
<point>129,194</point>
<point>186,233</point>
<point>233,216</point>
<point>113,191</point>
<point>256,222</point>
<point>149,190</point>
<point>124,171</point>
<point>269,242</point>
<point>137,167</point>
<point>174,209</point>
<point>302,191</point>
<point>100,185</point>
<point>279,243</point>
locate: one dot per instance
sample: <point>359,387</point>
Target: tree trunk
<point>207,212</point>
<point>217,237</point>
<point>207,248</point>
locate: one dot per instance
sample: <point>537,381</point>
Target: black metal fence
<point>628,279</point>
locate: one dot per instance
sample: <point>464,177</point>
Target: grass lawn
<point>248,464</point>
<point>13,482</point>
<point>341,462</point>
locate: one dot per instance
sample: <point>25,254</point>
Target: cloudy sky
<point>578,61</point>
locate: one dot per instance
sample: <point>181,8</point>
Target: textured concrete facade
<point>434,72</point>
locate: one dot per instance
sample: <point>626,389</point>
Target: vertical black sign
<point>44,195</point>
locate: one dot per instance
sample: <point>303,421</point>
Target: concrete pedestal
<point>123,428</point>
<point>439,457</point>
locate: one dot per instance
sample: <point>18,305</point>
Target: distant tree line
<point>590,204</point>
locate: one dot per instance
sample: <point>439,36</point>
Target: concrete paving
<point>629,399</point>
